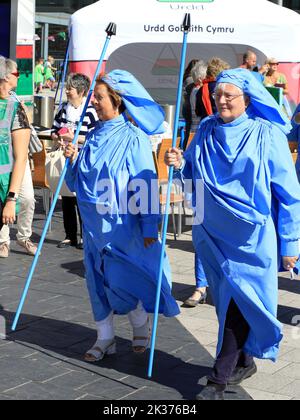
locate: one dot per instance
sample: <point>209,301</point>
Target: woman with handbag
<point>26,200</point>
<point>14,142</point>
<point>64,126</point>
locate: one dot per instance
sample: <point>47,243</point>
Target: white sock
<point>105,328</point>
<point>138,317</point>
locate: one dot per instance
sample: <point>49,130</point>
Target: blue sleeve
<point>187,169</point>
<point>72,169</point>
<point>192,154</point>
<point>142,173</point>
<point>190,158</point>
<point>286,191</point>
<point>71,176</point>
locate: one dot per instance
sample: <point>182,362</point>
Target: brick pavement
<point>43,359</point>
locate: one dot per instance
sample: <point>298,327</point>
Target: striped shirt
<point>68,116</point>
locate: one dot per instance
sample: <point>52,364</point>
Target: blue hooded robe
<point>120,271</point>
<point>251,202</point>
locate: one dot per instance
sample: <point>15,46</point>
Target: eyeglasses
<point>15,73</point>
<point>228,98</point>
<point>273,64</point>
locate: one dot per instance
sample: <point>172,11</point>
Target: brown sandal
<point>141,338</point>
<point>99,350</point>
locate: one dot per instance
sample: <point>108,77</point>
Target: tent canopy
<point>149,37</point>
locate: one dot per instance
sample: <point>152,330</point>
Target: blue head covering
<point>148,115</point>
<point>262,103</point>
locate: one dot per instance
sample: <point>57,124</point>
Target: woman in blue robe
<point>117,191</point>
<point>251,204</point>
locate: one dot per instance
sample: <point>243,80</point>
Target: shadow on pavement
<point>180,361</point>
<point>288,285</point>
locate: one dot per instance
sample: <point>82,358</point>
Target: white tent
<point>149,37</point>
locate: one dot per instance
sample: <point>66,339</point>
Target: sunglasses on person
<point>15,73</point>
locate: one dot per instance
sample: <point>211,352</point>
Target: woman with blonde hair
<point>274,77</point>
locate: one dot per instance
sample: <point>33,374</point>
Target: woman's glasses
<point>228,98</point>
<point>15,73</point>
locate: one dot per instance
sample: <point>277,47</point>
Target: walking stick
<point>62,77</point>
<point>186,27</point>
<point>111,30</point>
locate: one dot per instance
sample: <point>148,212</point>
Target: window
<point>5,29</point>
<point>291,4</point>
<point>61,6</point>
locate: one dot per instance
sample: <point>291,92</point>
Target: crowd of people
<point>251,194</point>
<point>44,74</point>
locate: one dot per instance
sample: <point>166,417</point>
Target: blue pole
<point>111,30</point>
<point>186,25</point>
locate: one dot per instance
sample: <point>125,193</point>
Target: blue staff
<point>111,30</point>
<point>62,77</point>
<point>186,27</point>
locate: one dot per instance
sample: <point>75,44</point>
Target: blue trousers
<point>199,273</point>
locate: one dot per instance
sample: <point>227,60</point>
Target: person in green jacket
<point>49,73</point>
<point>39,76</point>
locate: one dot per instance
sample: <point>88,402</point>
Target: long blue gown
<point>252,202</point>
<point>120,271</point>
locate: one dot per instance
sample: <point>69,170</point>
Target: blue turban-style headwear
<point>262,103</point>
<point>148,115</point>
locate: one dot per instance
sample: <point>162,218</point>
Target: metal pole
<point>13,28</point>
<point>46,42</point>
<point>62,76</point>
<point>111,30</point>
<point>186,26</point>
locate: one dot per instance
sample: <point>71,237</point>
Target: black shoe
<point>80,245</point>
<point>66,244</point>
<point>240,374</point>
<point>212,392</point>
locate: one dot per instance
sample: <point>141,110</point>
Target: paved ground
<point>43,359</point>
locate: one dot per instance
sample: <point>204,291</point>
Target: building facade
<point>61,6</point>
<point>291,4</point>
<point>52,20</point>
<point>16,40</point>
